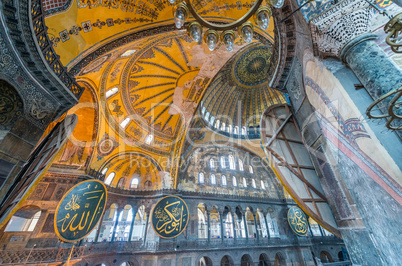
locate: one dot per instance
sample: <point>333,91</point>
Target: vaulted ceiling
<point>145,79</point>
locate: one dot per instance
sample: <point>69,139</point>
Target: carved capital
<point>340,24</point>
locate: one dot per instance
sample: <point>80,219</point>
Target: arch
<point>124,223</point>
<point>109,178</point>
<point>139,224</point>
<point>261,227</point>
<point>134,183</point>
<point>104,171</point>
<point>224,180</point>
<point>149,139</point>
<point>325,257</point>
<point>223,162</point>
<point>111,92</point>
<point>246,260</point>
<point>241,166</point>
<point>212,163</point>
<point>201,178</point>
<point>244,182</point>
<point>205,261</point>
<point>108,224</point>
<point>121,183</point>
<point>279,260</point>
<point>227,223</point>
<point>251,230</point>
<point>253,183</point>
<point>13,106</point>
<point>213,179</point>
<point>217,122</point>
<point>234,181</point>
<point>202,221</point>
<point>315,227</point>
<point>215,223</point>
<point>232,164</point>
<point>250,169</point>
<point>227,261</point>
<point>272,225</point>
<point>24,220</point>
<point>239,223</point>
<point>263,260</point>
<point>262,185</point>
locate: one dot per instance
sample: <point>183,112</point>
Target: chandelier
<point>226,33</point>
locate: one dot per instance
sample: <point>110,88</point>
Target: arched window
<point>243,131</point>
<point>104,171</point>
<point>241,168</point>
<point>124,224</point>
<point>213,179</point>
<point>125,122</point>
<point>128,53</point>
<point>236,130</point>
<point>250,169</point>
<point>223,163</point>
<point>211,163</point>
<point>23,221</point>
<point>109,178</point>
<point>234,181</point>
<point>253,183</point>
<point>134,183</point>
<point>215,223</point>
<point>244,182</point>
<point>111,92</point>
<point>217,122</point>
<point>121,182</point>
<point>108,223</point>
<point>229,129</point>
<point>232,163</point>
<point>212,120</point>
<point>223,126</point>
<point>224,181</point>
<point>139,224</point>
<point>201,177</point>
<point>203,110</point>
<point>262,184</point>
<point>149,139</point>
<point>228,230</point>
<point>202,222</point>
<point>207,116</point>
<point>315,228</point>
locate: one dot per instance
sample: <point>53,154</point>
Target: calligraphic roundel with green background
<point>170,216</point>
<point>298,221</point>
<point>80,210</point>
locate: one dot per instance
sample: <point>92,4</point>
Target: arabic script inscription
<point>170,217</point>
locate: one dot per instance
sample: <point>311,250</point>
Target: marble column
<point>221,222</point>
<point>344,32</point>
<point>245,224</point>
<point>256,227</point>
<point>130,235</point>
<point>234,227</point>
<point>209,226</point>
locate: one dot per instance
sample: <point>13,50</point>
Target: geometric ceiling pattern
<point>138,89</point>
<point>240,92</point>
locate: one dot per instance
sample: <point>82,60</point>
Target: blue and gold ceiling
<point>240,92</point>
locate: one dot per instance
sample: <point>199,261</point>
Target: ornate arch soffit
<point>99,49</point>
<point>148,157</point>
<point>286,38</point>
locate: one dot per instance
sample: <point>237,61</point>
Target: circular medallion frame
<point>297,220</point>
<point>80,187</point>
<point>156,217</point>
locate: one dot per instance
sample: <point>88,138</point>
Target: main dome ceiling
<point>240,92</point>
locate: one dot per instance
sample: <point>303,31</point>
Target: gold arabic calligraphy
<point>170,220</point>
<point>298,221</point>
<point>78,218</point>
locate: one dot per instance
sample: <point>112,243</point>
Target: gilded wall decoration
<point>11,106</point>
<point>106,146</point>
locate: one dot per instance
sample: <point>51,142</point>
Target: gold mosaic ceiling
<point>240,92</point>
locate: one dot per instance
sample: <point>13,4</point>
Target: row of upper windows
<point>232,164</point>
<point>109,179</point>
<point>201,180</point>
<point>216,123</point>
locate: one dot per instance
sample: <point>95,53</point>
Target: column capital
<point>340,24</point>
